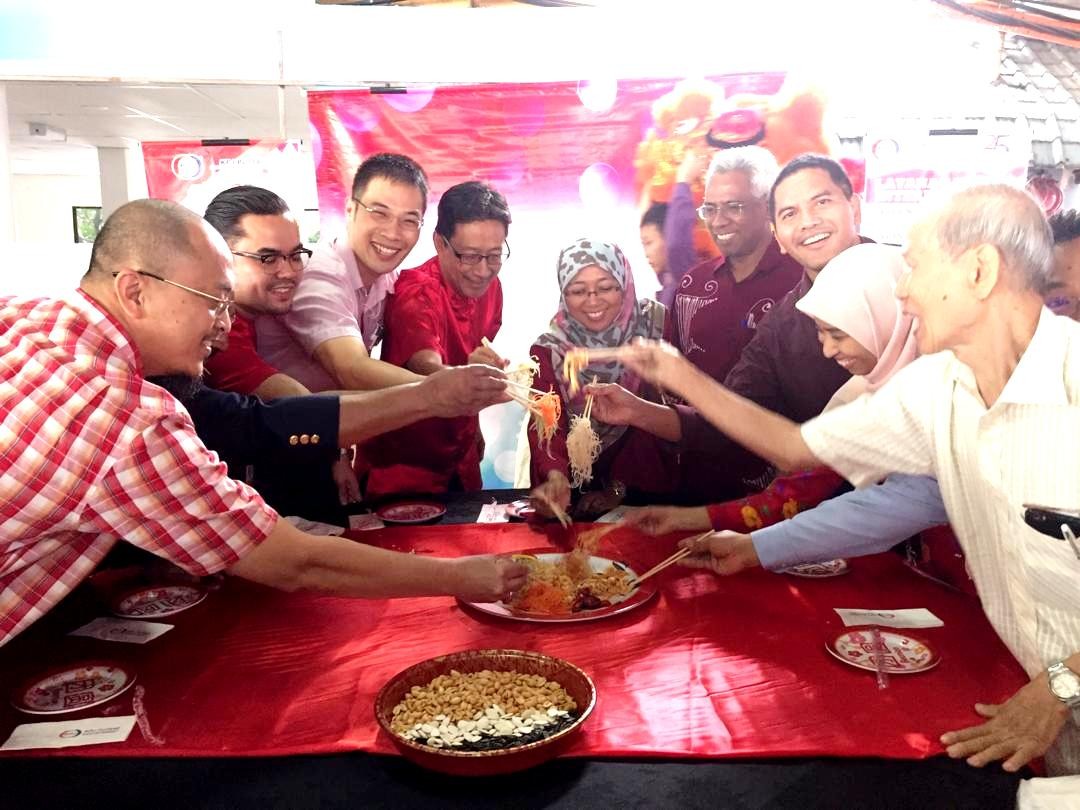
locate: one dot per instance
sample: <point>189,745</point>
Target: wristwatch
<point>1064,684</point>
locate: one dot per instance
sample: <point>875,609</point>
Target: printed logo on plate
<point>901,654</point>
<point>832,568</point>
<point>74,689</point>
<point>165,600</point>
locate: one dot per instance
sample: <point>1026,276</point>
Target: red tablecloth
<point>732,667</point>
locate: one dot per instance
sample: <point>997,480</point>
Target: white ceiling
<point>92,114</point>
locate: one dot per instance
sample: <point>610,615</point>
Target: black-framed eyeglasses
<point>382,217</point>
<point>732,210</point>
<point>494,260</point>
<point>297,260</point>
<point>222,306</point>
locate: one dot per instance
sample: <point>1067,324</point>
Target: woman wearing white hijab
<point>862,327</point>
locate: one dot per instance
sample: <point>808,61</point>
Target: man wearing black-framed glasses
<point>442,314</point>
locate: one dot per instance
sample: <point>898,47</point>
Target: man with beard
<point>91,452</point>
<point>269,260</point>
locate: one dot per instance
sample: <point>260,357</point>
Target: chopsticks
<point>523,387</point>
<point>599,354</point>
<point>674,558</point>
<point>560,515</point>
<point>587,411</point>
<point>879,657</point>
<point>524,402</point>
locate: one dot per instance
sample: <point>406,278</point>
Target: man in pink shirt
<point>336,318</point>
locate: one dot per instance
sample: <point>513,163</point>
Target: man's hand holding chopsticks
<point>723,553</point>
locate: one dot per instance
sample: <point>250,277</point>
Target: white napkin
<point>911,617</point>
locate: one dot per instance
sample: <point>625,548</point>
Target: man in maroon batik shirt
<point>815,215</point>
<point>720,302</point>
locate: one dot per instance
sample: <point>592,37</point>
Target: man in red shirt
<point>269,258</point>
<point>91,452</point>
<point>439,315</point>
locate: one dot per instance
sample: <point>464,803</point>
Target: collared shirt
<point>715,317</point>
<point>91,453</point>
<point>931,420</point>
<point>331,301</point>
<point>782,369</point>
<point>239,367</point>
<point>426,313</point>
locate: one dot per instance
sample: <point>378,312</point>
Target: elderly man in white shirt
<point>992,409</point>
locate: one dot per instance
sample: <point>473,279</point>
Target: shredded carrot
<point>543,597</point>
<point>546,416</point>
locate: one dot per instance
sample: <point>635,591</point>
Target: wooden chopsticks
<point>674,558</point>
<point>560,515</point>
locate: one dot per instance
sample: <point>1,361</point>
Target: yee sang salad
<point>569,584</point>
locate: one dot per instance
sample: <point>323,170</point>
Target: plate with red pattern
<point>819,570</point>
<point>73,688</point>
<point>157,601</point>
<point>410,512</point>
<point>903,654</point>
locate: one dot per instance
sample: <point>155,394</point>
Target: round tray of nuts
<point>484,712</point>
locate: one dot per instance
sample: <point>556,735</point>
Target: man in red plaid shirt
<point>91,453</point>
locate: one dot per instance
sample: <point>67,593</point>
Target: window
<point>86,222</point>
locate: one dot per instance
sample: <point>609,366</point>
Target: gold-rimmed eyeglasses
<point>222,306</point>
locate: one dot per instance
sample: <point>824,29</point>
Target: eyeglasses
<point>297,260</point>
<point>382,217</point>
<point>732,210</point>
<point>601,291</point>
<point>494,260</point>
<point>222,306</point>
<point>1063,304</point>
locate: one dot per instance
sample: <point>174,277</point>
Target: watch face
<point>1065,684</point>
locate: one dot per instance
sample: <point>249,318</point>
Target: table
<point>388,781</point>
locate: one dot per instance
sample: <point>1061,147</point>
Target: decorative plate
<point>410,512</point>
<point>73,688</point>
<point>636,598</point>
<point>819,570</point>
<point>903,654</point>
<point>157,601</point>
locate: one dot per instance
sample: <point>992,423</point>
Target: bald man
<point>91,452</point>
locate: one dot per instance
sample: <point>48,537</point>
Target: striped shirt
<point>91,453</point>
<point>989,462</point>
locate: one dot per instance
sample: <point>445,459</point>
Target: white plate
<point>620,604</point>
<point>903,654</point>
<point>820,570</point>
<point>157,601</point>
<point>74,688</point>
